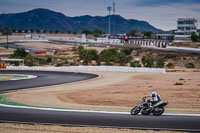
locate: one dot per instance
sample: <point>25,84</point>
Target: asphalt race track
<point>44,79</point>
<point>70,118</point>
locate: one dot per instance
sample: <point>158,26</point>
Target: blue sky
<point>160,13</point>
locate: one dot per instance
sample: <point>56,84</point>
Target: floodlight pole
<point>109,10</point>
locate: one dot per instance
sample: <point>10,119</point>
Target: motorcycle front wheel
<point>158,111</point>
<point>136,110</point>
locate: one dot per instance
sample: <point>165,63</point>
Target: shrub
<point>29,61</point>
<point>181,79</point>
<point>72,64</point>
<point>59,65</point>
<point>49,59</point>
<point>178,83</point>
<point>160,63</point>
<point>108,55</point>
<point>135,64</point>
<point>170,65</point>
<point>148,61</point>
<point>127,50</point>
<point>87,55</point>
<point>189,65</point>
<point>122,59</point>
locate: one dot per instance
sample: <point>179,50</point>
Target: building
<point>185,26</point>
<point>169,37</point>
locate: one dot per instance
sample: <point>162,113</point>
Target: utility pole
<point>114,17</point>
<point>109,10</point>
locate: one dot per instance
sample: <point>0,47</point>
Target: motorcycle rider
<point>155,98</point>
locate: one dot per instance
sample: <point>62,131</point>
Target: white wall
<point>90,68</point>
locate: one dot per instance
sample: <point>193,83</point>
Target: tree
<point>26,31</point>
<point>20,31</point>
<point>14,30</point>
<point>6,32</point>
<point>170,65</point>
<point>87,32</point>
<point>134,32</point>
<point>44,31</point>
<point>160,63</point>
<point>19,53</point>
<point>135,64</point>
<point>87,55</point>
<point>57,31</point>
<point>108,55</point>
<point>80,48</point>
<point>32,30</point>
<point>194,37</point>
<point>147,33</point>
<point>147,61</point>
<point>122,59</point>
<point>127,50</point>
<point>29,61</point>
<point>38,30</point>
<point>189,65</point>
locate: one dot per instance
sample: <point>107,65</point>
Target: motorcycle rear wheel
<point>158,112</point>
<point>136,110</point>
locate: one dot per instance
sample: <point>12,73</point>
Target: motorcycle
<point>146,109</point>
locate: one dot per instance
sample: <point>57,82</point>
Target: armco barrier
<point>90,68</point>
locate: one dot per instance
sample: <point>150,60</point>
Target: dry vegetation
<point>27,128</point>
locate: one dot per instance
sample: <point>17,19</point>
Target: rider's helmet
<point>154,94</point>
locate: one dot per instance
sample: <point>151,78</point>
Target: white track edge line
<point>86,111</point>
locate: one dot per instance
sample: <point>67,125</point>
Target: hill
<point>51,20</point>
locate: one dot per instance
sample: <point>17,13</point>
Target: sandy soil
<point>46,45</point>
<point>5,77</point>
<point>27,128</point>
<point>119,92</point>
<point>4,51</point>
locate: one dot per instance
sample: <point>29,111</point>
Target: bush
<point>178,83</point>
<point>147,61</point>
<point>72,64</point>
<point>135,64</point>
<point>122,59</point>
<point>160,63</point>
<point>170,65</point>
<point>189,65</point>
<point>87,55</point>
<point>108,55</point>
<point>59,65</point>
<point>49,59</point>
<point>29,61</point>
<point>127,50</point>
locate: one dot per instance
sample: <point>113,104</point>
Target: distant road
<point>168,49</point>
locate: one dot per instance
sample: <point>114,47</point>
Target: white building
<point>108,40</point>
<point>185,26</point>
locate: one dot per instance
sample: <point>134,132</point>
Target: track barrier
<point>90,68</point>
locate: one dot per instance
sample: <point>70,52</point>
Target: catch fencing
<point>90,68</point>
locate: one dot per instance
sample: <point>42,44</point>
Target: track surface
<point>7,114</point>
<point>44,79</point>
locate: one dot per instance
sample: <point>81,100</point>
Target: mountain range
<point>50,20</point>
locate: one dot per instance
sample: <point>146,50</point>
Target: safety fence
<point>90,68</point>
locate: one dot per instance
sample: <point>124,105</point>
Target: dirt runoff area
<point>116,91</point>
<point>26,128</point>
